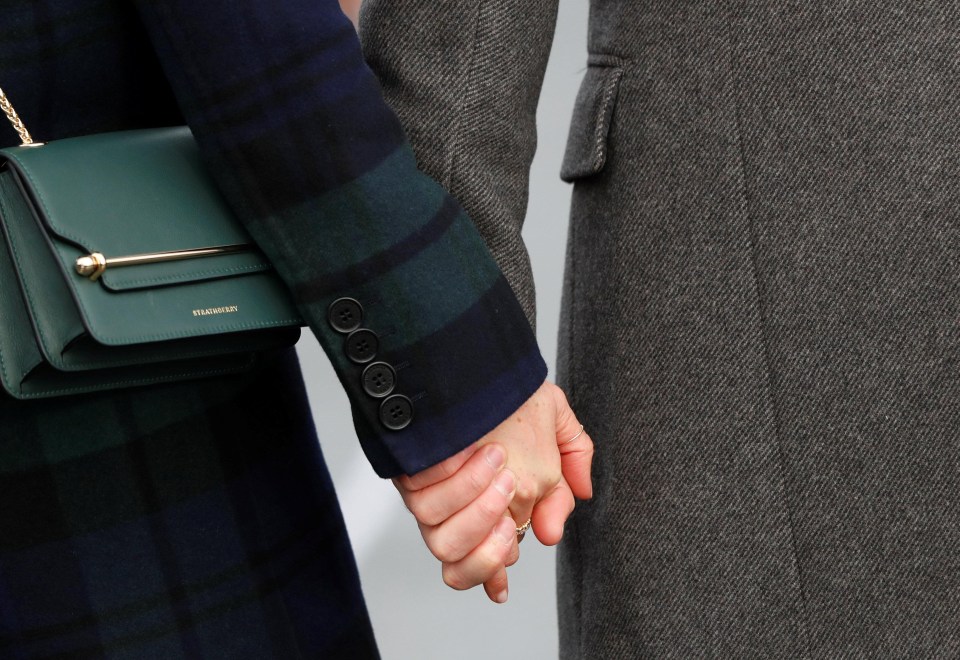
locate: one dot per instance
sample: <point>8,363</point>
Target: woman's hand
<point>468,506</point>
<point>550,469</point>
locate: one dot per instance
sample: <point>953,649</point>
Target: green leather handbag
<point>122,265</point>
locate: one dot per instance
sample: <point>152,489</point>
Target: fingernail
<point>502,597</point>
<point>505,483</point>
<point>506,530</point>
<point>496,457</point>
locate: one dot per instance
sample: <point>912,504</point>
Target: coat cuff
<point>424,332</point>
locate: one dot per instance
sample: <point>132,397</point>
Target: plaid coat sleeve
<point>295,129</point>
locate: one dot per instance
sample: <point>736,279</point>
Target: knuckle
<point>491,557</point>
<point>453,579</point>
<point>446,549</point>
<point>431,515</point>
<point>477,480</point>
<point>526,491</point>
<point>552,480</point>
<point>425,511</point>
<point>449,467</point>
<point>490,509</point>
<point>414,504</point>
<point>513,556</point>
<point>445,470</point>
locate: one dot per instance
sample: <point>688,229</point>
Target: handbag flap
<point>143,192</point>
<point>136,192</point>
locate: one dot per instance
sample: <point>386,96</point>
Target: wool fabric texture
<point>760,307</point>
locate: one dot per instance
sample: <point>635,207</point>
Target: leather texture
<point>121,194</point>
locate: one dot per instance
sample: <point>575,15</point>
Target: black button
<point>362,345</point>
<point>396,412</point>
<point>345,315</point>
<point>379,379</point>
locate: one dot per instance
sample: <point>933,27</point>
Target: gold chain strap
<point>18,126</point>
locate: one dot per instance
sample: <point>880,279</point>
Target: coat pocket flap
<point>586,151</point>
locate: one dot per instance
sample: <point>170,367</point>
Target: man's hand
<point>468,506</point>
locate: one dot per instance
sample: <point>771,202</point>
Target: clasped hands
<point>469,506</point>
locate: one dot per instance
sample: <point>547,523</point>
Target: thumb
<point>551,513</point>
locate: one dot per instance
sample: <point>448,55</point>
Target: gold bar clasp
<point>94,264</point>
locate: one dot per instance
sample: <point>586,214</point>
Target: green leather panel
<point>44,381</point>
<point>123,194</point>
<point>37,273</point>
<point>19,353</point>
<point>25,375</point>
<point>93,191</point>
<point>85,353</point>
<point>85,192</point>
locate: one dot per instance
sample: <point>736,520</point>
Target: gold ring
<point>579,433</point>
<point>522,529</point>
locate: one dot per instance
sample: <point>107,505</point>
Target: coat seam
<point>765,347</point>
<point>572,391</point>
<point>470,68</point>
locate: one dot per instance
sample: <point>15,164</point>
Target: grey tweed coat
<point>761,306</point>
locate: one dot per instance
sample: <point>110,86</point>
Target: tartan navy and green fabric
<point>293,125</point>
<point>197,519</point>
<point>194,520</point>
